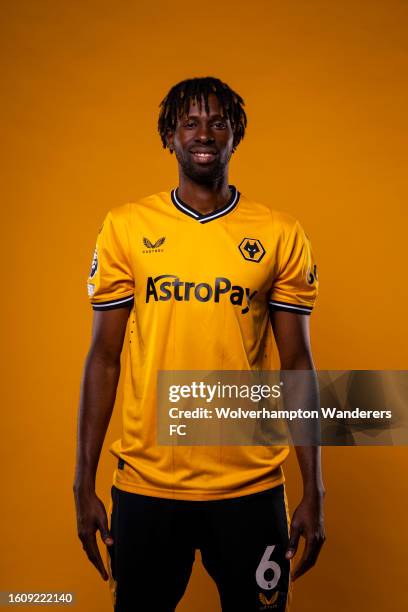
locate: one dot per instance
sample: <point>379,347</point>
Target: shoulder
<point>125,212</point>
<point>282,222</point>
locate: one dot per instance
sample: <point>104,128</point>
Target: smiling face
<point>203,143</point>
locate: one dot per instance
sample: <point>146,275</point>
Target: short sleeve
<point>110,281</point>
<point>295,286</point>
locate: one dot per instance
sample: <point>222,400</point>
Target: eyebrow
<point>212,116</point>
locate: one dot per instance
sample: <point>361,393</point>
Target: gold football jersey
<point>199,288</point>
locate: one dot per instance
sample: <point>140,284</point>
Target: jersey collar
<point>190,212</point>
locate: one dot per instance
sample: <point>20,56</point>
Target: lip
<point>203,150</point>
<point>203,156</point>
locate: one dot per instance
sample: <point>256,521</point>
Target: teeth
<point>203,154</point>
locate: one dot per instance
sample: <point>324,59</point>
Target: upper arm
<point>292,336</point>
<point>111,286</point>
<point>108,332</point>
<point>292,298</point>
<point>111,279</point>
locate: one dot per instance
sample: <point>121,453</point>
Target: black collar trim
<point>187,210</point>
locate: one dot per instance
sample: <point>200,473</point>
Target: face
<point>203,143</point>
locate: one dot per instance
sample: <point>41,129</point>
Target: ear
<point>170,140</point>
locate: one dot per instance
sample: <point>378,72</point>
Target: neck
<point>204,198</point>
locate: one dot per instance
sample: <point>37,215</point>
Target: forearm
<point>309,459</point>
<point>305,394</point>
<point>98,392</point>
<point>301,392</point>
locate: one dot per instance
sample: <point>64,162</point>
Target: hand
<point>91,516</point>
<point>307,521</point>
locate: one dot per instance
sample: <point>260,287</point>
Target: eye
<point>220,124</point>
<point>189,124</point>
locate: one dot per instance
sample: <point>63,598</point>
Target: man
<point>191,277</point>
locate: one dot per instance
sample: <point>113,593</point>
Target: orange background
<point>326,96</point>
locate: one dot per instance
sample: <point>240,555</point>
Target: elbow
<point>299,361</point>
<point>103,358</point>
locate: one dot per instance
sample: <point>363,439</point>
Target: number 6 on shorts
<point>265,564</point>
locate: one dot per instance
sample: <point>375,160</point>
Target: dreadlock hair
<point>177,103</point>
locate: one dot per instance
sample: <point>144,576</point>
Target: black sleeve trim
<point>117,303</point>
<point>286,307</point>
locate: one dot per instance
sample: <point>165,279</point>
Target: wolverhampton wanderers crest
<point>252,249</point>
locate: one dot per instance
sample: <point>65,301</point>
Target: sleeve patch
<point>94,265</point>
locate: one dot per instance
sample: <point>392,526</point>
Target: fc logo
<point>252,249</point>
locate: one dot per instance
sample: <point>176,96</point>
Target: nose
<point>204,134</point>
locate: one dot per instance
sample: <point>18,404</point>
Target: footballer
<point>200,277</point>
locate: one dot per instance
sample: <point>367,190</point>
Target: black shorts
<point>242,542</point>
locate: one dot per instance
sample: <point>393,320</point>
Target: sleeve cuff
<point>287,307</point>
<point>116,303</point>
